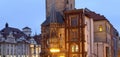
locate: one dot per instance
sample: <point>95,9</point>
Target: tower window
<point>100,28</point>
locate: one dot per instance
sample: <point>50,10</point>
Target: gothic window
<point>74,48</point>
<point>100,28</point>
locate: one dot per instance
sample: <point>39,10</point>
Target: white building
<point>15,43</point>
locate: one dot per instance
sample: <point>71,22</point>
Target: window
<point>100,28</point>
<point>74,22</point>
<point>107,52</point>
<point>87,26</point>
<point>108,29</point>
<point>74,34</point>
<point>74,48</point>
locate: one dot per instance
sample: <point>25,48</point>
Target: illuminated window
<point>74,48</point>
<point>100,28</point>
<point>31,45</point>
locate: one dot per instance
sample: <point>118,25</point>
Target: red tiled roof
<point>95,16</point>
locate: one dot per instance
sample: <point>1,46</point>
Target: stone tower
<point>60,5</point>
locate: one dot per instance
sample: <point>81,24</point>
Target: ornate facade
<point>16,43</point>
<point>70,32</point>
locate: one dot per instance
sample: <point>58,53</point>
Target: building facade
<point>76,32</point>
<point>79,33</point>
<point>105,36</point>
<point>16,43</point>
<point>118,51</point>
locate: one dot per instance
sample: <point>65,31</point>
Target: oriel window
<point>74,21</point>
<point>73,34</point>
<point>100,28</point>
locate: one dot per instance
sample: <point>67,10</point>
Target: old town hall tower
<point>70,32</point>
<point>60,5</point>
<point>64,31</point>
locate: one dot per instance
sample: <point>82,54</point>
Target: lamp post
<point>54,50</point>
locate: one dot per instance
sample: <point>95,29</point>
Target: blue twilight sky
<point>31,13</point>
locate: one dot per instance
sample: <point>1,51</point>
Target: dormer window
<point>100,28</point>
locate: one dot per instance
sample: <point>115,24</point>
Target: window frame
<point>74,21</point>
<point>100,28</point>
<point>74,48</point>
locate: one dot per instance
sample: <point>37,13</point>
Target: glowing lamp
<point>62,56</point>
<point>54,50</point>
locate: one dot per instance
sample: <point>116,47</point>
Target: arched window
<point>100,28</point>
<point>74,48</point>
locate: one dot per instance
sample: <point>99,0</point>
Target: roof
<point>95,16</point>
<point>59,19</point>
<point>37,38</point>
<point>88,13</point>
<point>26,28</point>
<point>16,32</point>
